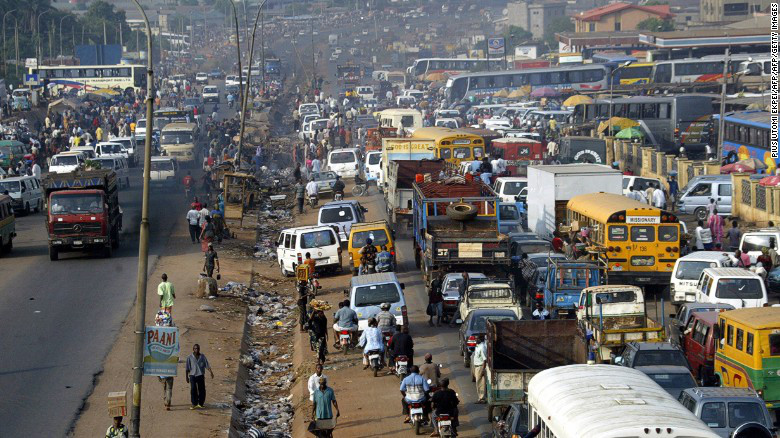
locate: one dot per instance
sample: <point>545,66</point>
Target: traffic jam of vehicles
<point>576,273</point>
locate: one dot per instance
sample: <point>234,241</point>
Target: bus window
<point>445,153</point>
<point>555,77</point>
<point>462,153</point>
<point>749,344</point>
<point>537,79</point>
<point>603,110</point>
<point>479,152</point>
<point>575,76</point>
<point>642,234</point>
<point>617,232</point>
<point>667,233</point>
<point>740,338</point>
<point>634,111</point>
<point>663,73</point>
<point>730,335</point>
<point>650,111</point>
<point>774,344</point>
<point>620,110</point>
<point>407,121</point>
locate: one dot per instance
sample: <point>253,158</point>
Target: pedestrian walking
<point>435,300</point>
<point>318,331</point>
<point>300,195</point>
<point>674,188</point>
<point>207,235</point>
<point>197,364</point>
<point>478,360</point>
<point>167,294</point>
<point>715,224</point>
<point>703,237</point>
<point>314,380</point>
<point>211,260</point>
<point>117,430</point>
<point>193,220</point>
<point>324,397</point>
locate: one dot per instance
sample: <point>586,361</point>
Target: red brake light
<point>300,259</point>
<point>611,249</point>
<point>617,249</point>
<point>403,311</point>
<point>392,253</point>
<point>539,296</point>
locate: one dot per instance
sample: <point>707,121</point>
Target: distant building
<point>717,11</point>
<point>618,17</point>
<point>534,17</point>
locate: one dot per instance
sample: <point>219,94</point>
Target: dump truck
<point>457,229</point>
<point>518,350</point>
<point>565,280</point>
<point>83,212</point>
<point>610,316</point>
<point>401,174</point>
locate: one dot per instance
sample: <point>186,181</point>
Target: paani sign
<point>161,351</point>
<point>643,220</point>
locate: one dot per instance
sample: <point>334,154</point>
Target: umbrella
<point>501,93</point>
<point>577,99</point>
<point>436,77</point>
<point>106,92</point>
<point>755,106</point>
<point>617,123</point>
<point>545,92</point>
<point>736,168</point>
<point>752,163</point>
<point>773,180</point>
<point>629,133</point>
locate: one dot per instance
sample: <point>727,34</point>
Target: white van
<point>163,170</point>
<point>509,188</point>
<point>373,165</point>
<point>638,182</point>
<point>320,241</point>
<point>88,151</point>
<point>696,195</point>
<point>688,269</point>
<point>753,241</point>
<point>231,80</point>
<point>66,162</point>
<point>25,191</point>
<point>736,286</point>
<point>111,149</point>
<point>365,92</point>
<point>345,162</point>
<point>119,165</point>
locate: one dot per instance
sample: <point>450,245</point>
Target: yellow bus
<point>637,73</point>
<point>638,242</point>
<point>748,354</point>
<point>7,224</point>
<point>453,145</point>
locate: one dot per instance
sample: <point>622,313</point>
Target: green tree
<point>655,25</point>
<point>516,36</point>
<point>558,25</point>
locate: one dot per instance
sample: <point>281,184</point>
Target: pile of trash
<point>268,404</point>
<point>269,224</point>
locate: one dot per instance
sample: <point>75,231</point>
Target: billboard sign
<point>496,46</point>
<point>161,351</point>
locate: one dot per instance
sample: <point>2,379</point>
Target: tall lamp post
<point>143,246</point>
<point>611,88</point>
<point>246,95</point>
<point>64,17</point>
<point>5,58</point>
<point>238,51</point>
<point>38,34</point>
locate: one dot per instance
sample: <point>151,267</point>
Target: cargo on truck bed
<point>399,190</point>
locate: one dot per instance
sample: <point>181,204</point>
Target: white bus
<point>607,401</point>
<point>425,66</point>
<point>125,78</point>
<point>705,69</point>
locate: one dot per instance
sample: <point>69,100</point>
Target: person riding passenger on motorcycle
<point>445,402</point>
<point>338,187</point>
<point>385,320</point>
<point>371,340</point>
<point>384,260</point>
<point>414,389</point>
<point>344,319</point>
<point>367,255</point>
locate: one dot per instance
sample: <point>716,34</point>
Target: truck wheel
<point>54,254</point>
<point>461,211</point>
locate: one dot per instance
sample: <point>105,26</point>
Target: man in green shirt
<point>323,397</point>
<point>166,293</point>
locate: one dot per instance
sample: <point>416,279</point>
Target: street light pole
<point>313,63</point>
<point>246,95</point>
<point>611,88</point>
<point>721,122</point>
<point>5,58</point>
<point>238,51</point>
<point>38,34</point>
<point>61,19</point>
<point>143,246</point>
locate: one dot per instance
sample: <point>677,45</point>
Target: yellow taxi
<point>380,234</point>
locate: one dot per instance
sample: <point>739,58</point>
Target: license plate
<point>445,423</point>
<point>403,364</point>
<point>344,337</point>
<point>416,411</point>
<point>374,356</point>
<point>78,242</point>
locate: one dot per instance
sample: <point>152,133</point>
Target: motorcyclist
<point>402,344</point>
<point>384,260</point>
<point>385,319</point>
<point>338,187</point>
<point>344,319</point>
<point>371,340</point>
<point>231,98</point>
<point>445,402</point>
<point>214,112</point>
<point>367,255</point>
<point>414,389</point>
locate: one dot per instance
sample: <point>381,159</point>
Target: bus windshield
<point>176,138</point>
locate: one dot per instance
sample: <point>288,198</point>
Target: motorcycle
<point>345,339</point>
<point>443,424</point>
<point>314,286</point>
<point>401,366</point>
<point>386,339</point>
<point>338,196</point>
<point>360,189</point>
<point>384,267</point>
<point>416,415</point>
<point>313,200</point>
<point>368,268</point>
<point>375,360</point>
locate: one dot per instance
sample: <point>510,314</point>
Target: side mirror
<point>618,360</point>
<point>403,286</point>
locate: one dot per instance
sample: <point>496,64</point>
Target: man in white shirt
<point>314,380</point>
<point>193,219</point>
<point>204,213</point>
<point>312,189</point>
<point>479,359</point>
<point>639,195</point>
<point>659,198</point>
<point>315,165</point>
<point>36,170</point>
<point>703,237</point>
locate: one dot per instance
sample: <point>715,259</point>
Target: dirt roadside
<point>219,333</point>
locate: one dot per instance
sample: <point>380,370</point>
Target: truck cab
<point>494,294</point>
<point>565,282</point>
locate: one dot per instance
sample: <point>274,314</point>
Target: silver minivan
<point>368,292</point>
<point>725,409</point>
<point>25,191</point>
<point>697,194</point>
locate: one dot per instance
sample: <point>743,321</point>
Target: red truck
<point>83,212</point>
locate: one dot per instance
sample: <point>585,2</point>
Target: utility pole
<point>240,73</point>
<point>143,246</point>
<point>313,64</point>
<point>121,38</point>
<point>721,122</point>
<point>262,47</point>
<point>246,95</point>
<point>105,37</point>
<point>16,44</point>
<point>5,57</point>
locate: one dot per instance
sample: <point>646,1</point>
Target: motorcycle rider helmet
<point>369,241</point>
<point>385,306</point>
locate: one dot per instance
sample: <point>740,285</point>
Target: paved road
<point>61,318</point>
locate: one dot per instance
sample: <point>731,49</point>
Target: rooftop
<point>596,14</point>
<point>758,317</point>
